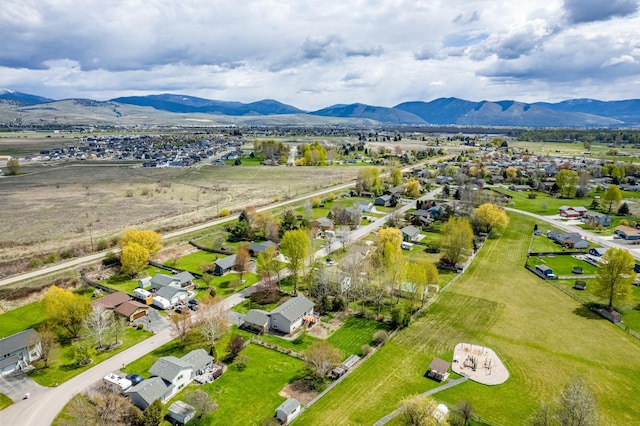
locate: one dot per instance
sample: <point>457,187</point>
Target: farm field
<point>499,304</point>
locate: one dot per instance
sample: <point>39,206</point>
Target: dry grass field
<point>51,207</point>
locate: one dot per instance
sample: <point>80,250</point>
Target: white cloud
<point>314,54</point>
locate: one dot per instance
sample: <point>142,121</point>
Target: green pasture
<point>563,265</point>
<point>20,319</point>
<point>543,336</point>
<point>543,204</point>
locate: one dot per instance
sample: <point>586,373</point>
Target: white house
<point>19,350</point>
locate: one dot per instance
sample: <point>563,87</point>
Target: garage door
<point>139,315</point>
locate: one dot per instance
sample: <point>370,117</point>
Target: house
<point>383,200</point>
<point>288,410</point>
<point>322,224</point>
<point>19,350</point>
<point>182,280</point>
<point>181,412</point>
<point>257,320</point>
<point>286,318</point>
<point>337,278</point>
<point>437,211</point>
<point>439,369</point>
<point>627,232</point>
<point>572,212</point>
<point>365,206</point>
<point>111,301</point>
<point>224,265</point>
<point>132,310</point>
<point>574,240</point>
<point>199,360</point>
<point>598,251</point>
<point>174,295</point>
<point>144,393</point>
<point>597,219</point>
<point>410,233</point>
<point>174,370</point>
<point>256,248</point>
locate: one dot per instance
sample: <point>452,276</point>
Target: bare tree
<point>213,321</point>
<point>201,401</point>
<point>342,234</point>
<point>243,260</point>
<point>117,328</point>
<point>322,356</point>
<point>98,323</point>
<point>48,343</point>
<point>181,325</point>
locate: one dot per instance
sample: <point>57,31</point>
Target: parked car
<point>134,378</point>
<point>193,302</point>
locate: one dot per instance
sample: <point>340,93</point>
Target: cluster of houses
<point>165,290</point>
<point>151,149</point>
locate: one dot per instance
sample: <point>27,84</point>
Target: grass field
<point>19,319</point>
<point>499,304</point>
<point>5,401</point>
<point>563,265</point>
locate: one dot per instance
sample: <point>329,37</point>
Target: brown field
<point>52,207</point>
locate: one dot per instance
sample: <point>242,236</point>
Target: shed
<point>257,320</point>
<point>438,369</point>
<point>580,285</point>
<point>288,410</point>
<point>181,412</point>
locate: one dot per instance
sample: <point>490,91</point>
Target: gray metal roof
<point>17,341</point>
<point>294,308</point>
<point>150,389</point>
<point>183,277</point>
<point>182,409</point>
<point>410,230</point>
<point>168,367</point>
<point>161,280</point>
<point>198,359</point>
<point>289,406</point>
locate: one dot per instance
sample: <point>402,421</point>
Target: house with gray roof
<point>257,320</point>
<point>256,248</point>
<point>410,233</point>
<point>290,315</point>
<point>144,393</point>
<point>224,265</point>
<point>199,360</point>
<point>183,279</point>
<point>174,295</point>
<point>286,318</point>
<point>19,350</point>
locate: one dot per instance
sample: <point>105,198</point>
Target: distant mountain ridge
<point>576,113</point>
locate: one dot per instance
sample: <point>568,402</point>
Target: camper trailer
<point>143,295</point>
<point>161,303</point>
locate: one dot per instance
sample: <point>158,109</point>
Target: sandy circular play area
<point>479,363</point>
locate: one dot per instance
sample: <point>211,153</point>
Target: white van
<point>161,303</point>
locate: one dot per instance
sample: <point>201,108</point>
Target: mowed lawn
<point>544,337</point>
<point>251,396</point>
<point>22,318</point>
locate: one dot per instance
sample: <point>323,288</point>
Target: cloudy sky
<point>313,54</point>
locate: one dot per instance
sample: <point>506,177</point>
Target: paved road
<point>587,235</point>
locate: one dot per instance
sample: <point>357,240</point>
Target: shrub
<point>35,262</point>
<point>532,195</point>
<point>380,337</point>
<point>315,202</point>
<point>102,245</point>
<point>331,196</point>
<point>224,212</point>
<point>365,350</point>
<point>51,258</point>
<point>240,363</point>
<point>212,292</point>
<point>400,317</point>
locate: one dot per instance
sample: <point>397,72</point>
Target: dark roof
<point>439,365</point>
<point>111,301</point>
<point>294,308</point>
<point>150,389</point>
<point>260,247</point>
<point>17,341</point>
<point>198,359</point>
<point>289,406</point>
<point>168,367</point>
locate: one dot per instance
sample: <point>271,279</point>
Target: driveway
<point>17,384</point>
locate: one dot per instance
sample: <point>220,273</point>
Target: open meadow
<point>543,336</point>
<point>50,208</point>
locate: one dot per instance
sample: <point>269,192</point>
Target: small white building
<point>288,410</point>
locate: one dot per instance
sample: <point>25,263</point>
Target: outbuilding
<point>181,412</point>
<point>288,410</point>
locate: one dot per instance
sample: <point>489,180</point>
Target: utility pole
<point>91,236</point>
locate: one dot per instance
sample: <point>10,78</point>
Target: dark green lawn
<point>355,332</point>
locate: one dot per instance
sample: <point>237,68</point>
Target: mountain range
<point>175,109</point>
